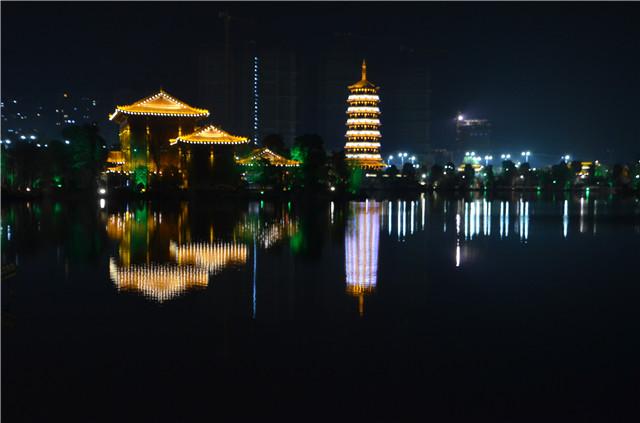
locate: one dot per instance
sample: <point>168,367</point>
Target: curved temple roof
<point>273,158</point>
<point>160,104</point>
<point>363,83</point>
<point>210,135</point>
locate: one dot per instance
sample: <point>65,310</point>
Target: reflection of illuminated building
<point>160,282</point>
<point>212,257</point>
<point>362,237</point>
<point>153,260</point>
<point>268,234</point>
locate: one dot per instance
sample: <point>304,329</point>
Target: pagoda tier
<point>363,125</point>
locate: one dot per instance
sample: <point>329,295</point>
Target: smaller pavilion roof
<point>273,158</point>
<point>210,135</point>
<point>160,104</point>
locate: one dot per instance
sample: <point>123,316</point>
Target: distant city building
<point>363,125</point>
<point>251,89</point>
<point>472,134</point>
<point>257,87</point>
<point>22,123</point>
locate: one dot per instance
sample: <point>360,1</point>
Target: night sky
<point>552,77</point>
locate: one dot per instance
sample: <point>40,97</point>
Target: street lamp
<point>402,157</point>
<point>566,157</point>
<point>526,155</point>
<point>390,158</point>
<point>487,158</point>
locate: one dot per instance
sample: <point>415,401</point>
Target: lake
<point>452,308</point>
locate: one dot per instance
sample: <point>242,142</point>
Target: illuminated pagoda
<point>146,127</point>
<point>201,150</point>
<point>361,242</point>
<point>363,125</point>
<point>264,153</point>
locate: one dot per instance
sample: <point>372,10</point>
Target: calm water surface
<point>434,307</point>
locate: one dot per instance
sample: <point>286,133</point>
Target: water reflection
<point>361,242</point>
<point>163,251</point>
<point>162,254</point>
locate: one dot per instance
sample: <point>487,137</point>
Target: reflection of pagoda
<point>361,240</point>
<point>363,125</point>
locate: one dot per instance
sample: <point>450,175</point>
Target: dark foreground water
<point>425,308</point>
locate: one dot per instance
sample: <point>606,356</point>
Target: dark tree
<point>338,171</point>
<point>309,150</point>
<point>409,172</point>
<point>435,174</point>
<point>88,153</point>
<point>275,143</point>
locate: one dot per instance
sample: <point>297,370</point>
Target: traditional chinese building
<point>363,125</point>
<point>146,127</point>
<point>204,153</point>
<point>274,159</point>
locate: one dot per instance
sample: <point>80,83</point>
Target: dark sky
<point>553,77</point>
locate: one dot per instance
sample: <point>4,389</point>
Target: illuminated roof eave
<point>167,106</point>
<point>264,152</point>
<point>210,135</point>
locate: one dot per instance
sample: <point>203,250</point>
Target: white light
<point>33,137</point>
<point>460,117</point>
<point>8,141</point>
<point>28,189</point>
<point>103,202</point>
<point>22,137</point>
<point>363,97</point>
<point>357,109</point>
<point>67,142</point>
<point>102,191</point>
<point>332,188</point>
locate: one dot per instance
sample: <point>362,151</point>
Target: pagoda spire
<point>364,70</point>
